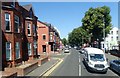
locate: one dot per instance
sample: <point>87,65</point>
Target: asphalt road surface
<point>73,66</point>
<point>69,67</point>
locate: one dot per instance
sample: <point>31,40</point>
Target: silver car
<point>66,50</point>
<point>115,65</point>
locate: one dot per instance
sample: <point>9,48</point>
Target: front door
<point>44,48</point>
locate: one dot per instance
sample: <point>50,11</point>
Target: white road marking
<point>79,70</point>
<point>79,66</point>
<point>79,60</point>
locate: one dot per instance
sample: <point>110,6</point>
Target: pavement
<point>41,70</point>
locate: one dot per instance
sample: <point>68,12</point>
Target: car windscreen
<point>97,57</point>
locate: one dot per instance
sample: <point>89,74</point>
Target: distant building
<point>48,38</point>
<point>111,41</point>
<point>43,38</point>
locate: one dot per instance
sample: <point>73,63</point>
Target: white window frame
<point>17,23</point>
<point>29,28</point>
<point>10,57</point>
<point>17,49</point>
<point>9,20</point>
<point>29,49</point>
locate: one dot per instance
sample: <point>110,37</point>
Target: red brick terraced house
<point>57,40</point>
<point>11,25</point>
<point>48,38</point>
<point>54,39</point>
<point>43,38</point>
<point>30,32</point>
<point>19,35</point>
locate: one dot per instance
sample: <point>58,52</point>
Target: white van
<point>95,60</point>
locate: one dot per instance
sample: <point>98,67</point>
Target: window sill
<point>18,58</point>
<point>9,60</point>
<point>29,55</point>
<point>8,31</point>
<point>29,35</point>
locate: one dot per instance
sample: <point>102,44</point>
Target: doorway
<point>44,48</point>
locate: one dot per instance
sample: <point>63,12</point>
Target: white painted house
<point>111,41</point>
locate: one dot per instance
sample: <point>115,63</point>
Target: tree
<point>77,37</point>
<point>96,20</point>
<point>64,41</point>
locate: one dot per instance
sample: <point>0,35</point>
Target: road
<point>69,67</point>
<point>73,66</point>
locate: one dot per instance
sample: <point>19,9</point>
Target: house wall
<point>43,30</point>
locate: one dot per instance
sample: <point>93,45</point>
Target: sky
<point>66,16</point>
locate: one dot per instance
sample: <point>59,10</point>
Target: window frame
<point>29,28</point>
<point>8,20</point>
<point>18,23</point>
<point>29,49</point>
<point>44,36</point>
<point>10,53</point>
<point>17,48</point>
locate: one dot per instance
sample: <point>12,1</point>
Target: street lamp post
<point>104,33</point>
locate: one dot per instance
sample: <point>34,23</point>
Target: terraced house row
<point>24,37</point>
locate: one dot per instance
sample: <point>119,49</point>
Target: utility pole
<point>104,32</point>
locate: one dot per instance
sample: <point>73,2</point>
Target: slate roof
<point>27,7</point>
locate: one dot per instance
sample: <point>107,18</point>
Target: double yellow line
<point>53,68</point>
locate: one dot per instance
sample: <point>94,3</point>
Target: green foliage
<point>64,41</point>
<point>77,36</point>
<point>95,20</point>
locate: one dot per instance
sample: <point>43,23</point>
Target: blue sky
<point>66,16</point>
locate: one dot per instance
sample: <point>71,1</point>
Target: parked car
<point>115,52</point>
<point>66,50</point>
<point>82,51</point>
<point>115,65</point>
<point>69,47</point>
<point>78,48</point>
<point>95,60</point>
<point>75,47</point>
